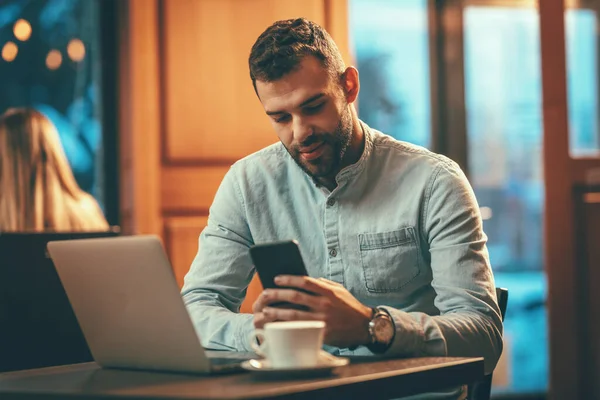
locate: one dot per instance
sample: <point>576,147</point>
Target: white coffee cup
<point>290,344</point>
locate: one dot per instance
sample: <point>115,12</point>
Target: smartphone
<point>278,258</point>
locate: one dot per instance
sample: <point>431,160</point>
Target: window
<point>503,97</point>
<point>391,49</point>
<point>582,80</point>
<point>51,60</point>
<point>502,110</point>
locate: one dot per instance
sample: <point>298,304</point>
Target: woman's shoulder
<point>91,214</point>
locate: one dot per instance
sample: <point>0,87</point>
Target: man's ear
<point>350,84</point>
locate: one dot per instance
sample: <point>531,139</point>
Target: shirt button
<point>331,202</point>
<point>333,252</point>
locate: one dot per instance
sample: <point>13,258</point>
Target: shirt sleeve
<point>218,279</point>
<point>469,324</point>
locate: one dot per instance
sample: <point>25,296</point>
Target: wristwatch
<point>382,331</point>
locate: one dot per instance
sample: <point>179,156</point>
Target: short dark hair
<point>282,46</point>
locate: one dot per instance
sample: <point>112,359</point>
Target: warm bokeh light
<point>53,59</point>
<point>76,50</point>
<point>22,30</point>
<point>9,51</point>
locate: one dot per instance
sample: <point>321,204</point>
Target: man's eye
<point>313,109</point>
<point>282,118</point>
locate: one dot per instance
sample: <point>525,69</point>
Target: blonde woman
<point>38,191</point>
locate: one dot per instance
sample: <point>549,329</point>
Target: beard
<point>329,163</point>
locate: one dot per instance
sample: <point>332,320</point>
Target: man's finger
<point>291,296</point>
<point>260,303</point>
<point>260,319</point>
<point>303,282</point>
<point>332,283</point>
<point>286,314</point>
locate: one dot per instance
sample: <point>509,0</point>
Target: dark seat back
<point>482,390</point>
<point>37,325</point>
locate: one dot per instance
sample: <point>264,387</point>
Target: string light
<point>76,50</point>
<point>53,59</point>
<point>9,51</point>
<point>22,30</point>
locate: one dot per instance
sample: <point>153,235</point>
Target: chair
<point>482,390</point>
<point>37,325</point>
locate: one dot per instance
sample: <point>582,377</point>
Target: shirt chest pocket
<point>390,260</point>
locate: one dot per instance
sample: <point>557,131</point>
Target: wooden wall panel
<point>188,109</point>
<point>211,116</point>
<point>337,24</point>
<point>211,110</point>
<point>181,242</point>
<point>190,188</point>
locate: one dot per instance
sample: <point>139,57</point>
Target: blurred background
<point>52,60</point>
<point>152,102</point>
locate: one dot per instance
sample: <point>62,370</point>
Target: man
<point>390,233</point>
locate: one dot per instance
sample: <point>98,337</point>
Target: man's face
<point>310,114</point>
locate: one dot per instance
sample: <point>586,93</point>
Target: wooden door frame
<point>564,312</point>
<point>448,106</point>
<point>139,117</point>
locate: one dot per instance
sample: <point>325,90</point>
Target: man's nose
<point>302,130</point>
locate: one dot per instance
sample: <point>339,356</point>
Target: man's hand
<point>345,317</point>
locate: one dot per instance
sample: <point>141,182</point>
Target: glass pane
<point>391,49</point>
<point>582,66</point>
<point>504,123</point>
<point>51,61</point>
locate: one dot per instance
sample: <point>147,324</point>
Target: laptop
<point>130,309</point>
<point>37,324</point>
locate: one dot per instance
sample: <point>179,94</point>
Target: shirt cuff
<point>409,339</point>
<point>245,330</point>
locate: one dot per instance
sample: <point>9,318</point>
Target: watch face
<point>383,329</point>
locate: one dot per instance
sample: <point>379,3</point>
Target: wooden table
<point>370,380</point>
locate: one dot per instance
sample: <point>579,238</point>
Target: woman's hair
<point>37,189</point>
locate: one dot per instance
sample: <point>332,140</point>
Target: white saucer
<point>326,365</point>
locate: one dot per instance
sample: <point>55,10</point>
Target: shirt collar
<point>352,170</point>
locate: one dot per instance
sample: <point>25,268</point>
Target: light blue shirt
<point>402,230</point>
